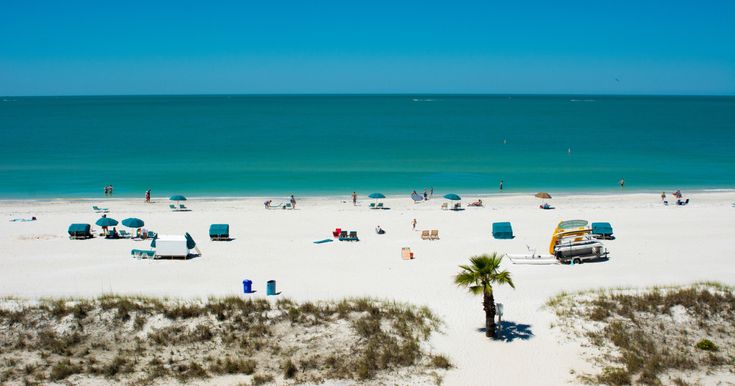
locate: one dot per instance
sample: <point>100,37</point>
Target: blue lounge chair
<point>183,207</point>
<point>173,207</point>
<point>372,205</point>
<point>502,230</point>
<point>124,234</point>
<point>343,236</point>
<point>602,230</point>
<point>100,210</point>
<point>80,231</point>
<point>219,232</point>
<point>143,254</point>
<point>353,236</point>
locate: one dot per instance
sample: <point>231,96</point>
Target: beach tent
<point>219,232</point>
<point>602,229</point>
<point>502,230</point>
<point>80,231</point>
<point>171,246</point>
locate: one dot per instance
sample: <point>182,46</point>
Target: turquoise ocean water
<point>311,145</point>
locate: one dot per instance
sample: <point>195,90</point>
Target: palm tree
<point>478,278</point>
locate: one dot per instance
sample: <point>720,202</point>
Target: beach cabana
<point>502,230</point>
<point>219,232</point>
<point>170,246</point>
<point>80,231</point>
<point>602,230</point>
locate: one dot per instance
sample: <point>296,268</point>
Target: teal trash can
<point>271,287</point>
<point>247,286</point>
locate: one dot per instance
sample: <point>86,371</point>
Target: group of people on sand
<point>269,203</point>
<point>108,190</point>
<point>427,193</point>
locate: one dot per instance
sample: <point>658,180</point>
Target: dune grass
<point>652,336</point>
<point>139,340</point>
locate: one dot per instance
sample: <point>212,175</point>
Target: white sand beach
<point>654,245</point>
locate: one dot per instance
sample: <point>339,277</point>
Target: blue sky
<point>129,47</point>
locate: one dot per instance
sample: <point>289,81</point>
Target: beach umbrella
<point>177,197</point>
<point>452,196</point>
<point>133,222</point>
<point>542,195</point>
<point>376,195</point>
<point>106,222</point>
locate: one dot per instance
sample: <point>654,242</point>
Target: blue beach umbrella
<point>106,222</point>
<point>133,222</point>
<point>376,195</point>
<point>177,197</point>
<point>452,196</point>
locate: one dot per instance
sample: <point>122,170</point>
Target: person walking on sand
<point>622,183</point>
<point>501,185</point>
<point>293,202</point>
<point>413,224</point>
<point>148,196</point>
<point>354,198</point>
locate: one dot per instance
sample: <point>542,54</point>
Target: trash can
<point>271,287</point>
<point>247,286</point>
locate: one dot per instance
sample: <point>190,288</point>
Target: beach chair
<point>380,206</point>
<point>219,232</point>
<point>183,207</point>
<point>372,205</point>
<point>434,234</point>
<point>406,253</point>
<point>143,254</point>
<point>682,202</point>
<point>151,235</point>
<point>100,210</point>
<point>445,206</point>
<point>353,236</point>
<point>343,236</point>
<point>425,235</point>
<point>124,234</point>
<point>336,232</point>
<point>80,231</point>
<point>173,207</point>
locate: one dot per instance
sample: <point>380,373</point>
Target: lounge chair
<point>353,236</point>
<point>143,254</point>
<point>682,202</point>
<point>457,206</point>
<point>425,235</point>
<point>124,234</point>
<point>219,232</point>
<point>80,231</point>
<point>380,206</point>
<point>406,253</point>
<point>151,235</point>
<point>100,210</point>
<point>183,207</point>
<point>434,234</point>
<point>336,232</point>
<point>372,205</point>
<point>502,230</point>
<point>445,206</point>
<point>173,207</point>
<point>343,236</point>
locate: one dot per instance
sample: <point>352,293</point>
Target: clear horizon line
<point>377,94</point>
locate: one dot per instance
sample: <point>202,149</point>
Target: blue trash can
<point>271,287</point>
<point>247,286</point>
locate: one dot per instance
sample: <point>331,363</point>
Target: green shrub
<point>706,345</point>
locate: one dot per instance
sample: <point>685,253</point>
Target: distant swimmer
<point>505,141</point>
<point>622,183</point>
<point>569,150</point>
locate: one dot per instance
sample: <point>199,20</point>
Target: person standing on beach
<point>426,195</point>
<point>501,185</point>
<point>293,202</point>
<point>431,192</point>
<point>148,196</point>
<point>663,196</point>
<point>622,183</point>
<point>413,224</point>
<point>354,198</point>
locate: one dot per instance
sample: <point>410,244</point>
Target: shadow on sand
<point>510,331</point>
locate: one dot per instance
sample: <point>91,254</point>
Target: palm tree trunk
<point>488,304</point>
